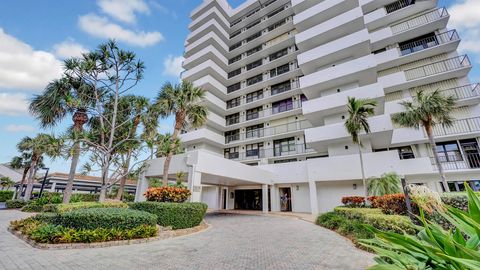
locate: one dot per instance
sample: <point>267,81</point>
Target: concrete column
<point>52,188</point>
<point>313,197</point>
<point>142,186</point>
<point>195,184</point>
<point>265,199</point>
<point>275,198</point>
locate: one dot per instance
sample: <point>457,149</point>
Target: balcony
<point>316,109</point>
<point>417,49</point>
<point>409,29</point>
<point>361,70</point>
<point>381,130</point>
<point>202,135</point>
<point>396,11</point>
<point>458,162</point>
<point>270,153</point>
<point>335,28</point>
<point>321,12</point>
<point>465,95</point>
<point>455,67</point>
<point>272,132</point>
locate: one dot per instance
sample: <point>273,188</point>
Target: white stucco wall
<point>330,193</point>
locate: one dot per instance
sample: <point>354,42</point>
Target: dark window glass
<point>284,146</point>
<point>406,152</point>
<point>255,79</point>
<point>280,70</point>
<point>232,119</point>
<point>254,64</point>
<point>254,50</point>
<point>277,24</point>
<point>448,152</point>
<point>233,135</point>
<point>254,36</point>
<point>233,87</point>
<point>254,131</point>
<point>275,12</point>
<point>235,34</point>
<point>253,24</point>
<point>233,103</point>
<point>254,96</point>
<point>280,88</point>
<point>234,73</point>
<point>232,153</point>
<point>253,113</point>
<point>236,45</point>
<point>282,106</point>
<point>235,59</point>
<point>278,54</point>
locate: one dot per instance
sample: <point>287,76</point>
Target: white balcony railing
<point>267,131</point>
<point>428,42</point>
<point>275,152</point>
<point>442,66</point>
<point>420,20</point>
<point>461,126</point>
<point>463,92</point>
<point>458,161</point>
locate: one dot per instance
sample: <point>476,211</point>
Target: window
<point>303,98</point>
<point>255,64</point>
<point>233,103</point>
<point>406,152</point>
<point>279,70</point>
<point>275,12</point>
<point>254,131</point>
<point>277,24</point>
<point>285,161</point>
<point>232,135</point>
<point>232,119</point>
<point>236,45</point>
<point>254,150</point>
<point>231,153</point>
<point>418,44</point>
<point>254,96</point>
<point>255,79</point>
<point>253,24</point>
<point>254,36</point>
<point>234,73</point>
<point>254,50</point>
<point>235,34</point>
<point>235,59</point>
<point>282,106</point>
<point>234,87</point>
<point>448,152</point>
<point>253,113</point>
<point>398,5</point>
<point>280,88</point>
<point>252,12</point>
<point>278,54</point>
<point>283,146</point>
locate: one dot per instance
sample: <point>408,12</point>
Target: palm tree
<point>388,183</point>
<point>61,98</point>
<point>22,162</point>
<point>428,110</point>
<point>42,144</point>
<point>359,110</point>
<point>164,146</point>
<point>6,182</point>
<point>183,101</point>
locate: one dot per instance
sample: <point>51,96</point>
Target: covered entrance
<point>248,199</point>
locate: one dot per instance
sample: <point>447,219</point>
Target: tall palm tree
<point>358,112</point>
<point>40,145</point>
<point>388,183</point>
<point>428,110</point>
<point>184,102</point>
<point>22,162</point>
<point>61,98</point>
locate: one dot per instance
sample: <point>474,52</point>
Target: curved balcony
<point>202,135</point>
<point>321,12</point>
<point>205,41</point>
<point>213,13</point>
<point>271,153</point>
<point>207,53</point>
<point>211,26</point>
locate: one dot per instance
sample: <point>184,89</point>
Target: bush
<point>394,204</point>
<point>175,215</point>
<point>167,194</point>
<point>353,201</point>
<point>36,205</point>
<point>84,197</point>
<point>95,218</point>
<point>330,220</point>
<point>13,204</point>
<point>345,226</point>
<point>6,195</point>
<point>457,200</point>
<point>63,208</point>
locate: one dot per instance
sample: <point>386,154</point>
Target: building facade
<point>278,74</point>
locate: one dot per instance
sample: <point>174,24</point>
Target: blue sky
<point>35,36</point>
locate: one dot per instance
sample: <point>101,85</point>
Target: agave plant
<point>432,247</point>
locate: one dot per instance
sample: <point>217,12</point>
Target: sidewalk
<point>302,216</point>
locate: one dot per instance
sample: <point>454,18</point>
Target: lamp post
<point>43,183</point>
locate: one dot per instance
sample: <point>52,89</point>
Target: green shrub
<point>84,197</point>
<point>62,208</point>
<point>6,195</point>
<point>32,207</point>
<point>357,213</point>
<point>457,200</point>
<point>351,228</point>
<point>330,220</point>
<point>95,218</point>
<point>36,205</point>
<point>13,204</point>
<point>175,215</point>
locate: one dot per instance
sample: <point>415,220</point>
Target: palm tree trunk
<point>67,193</point>
<point>178,126</point>
<point>433,145</point>
<point>365,189</point>
<point>18,190</point>
<point>30,180</point>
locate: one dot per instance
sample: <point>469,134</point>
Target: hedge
<point>6,195</point>
<point>175,215</point>
<point>351,228</point>
<point>17,203</point>
<point>94,218</point>
<point>62,208</point>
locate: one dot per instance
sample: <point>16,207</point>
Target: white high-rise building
<point>278,74</point>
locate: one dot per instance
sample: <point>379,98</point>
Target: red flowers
<point>167,194</point>
<point>353,201</point>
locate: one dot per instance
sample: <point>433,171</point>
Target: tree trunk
<point>365,189</point>
<point>31,179</point>
<point>67,193</point>
<point>123,181</point>
<point>179,119</point>
<point>433,145</point>
<point>103,193</point>
<point>24,176</point>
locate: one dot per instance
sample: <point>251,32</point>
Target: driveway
<point>233,242</point>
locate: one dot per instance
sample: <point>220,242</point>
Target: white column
<point>313,197</point>
<point>265,199</point>
<point>52,188</point>
<point>275,198</point>
<point>195,184</point>
<point>142,186</point>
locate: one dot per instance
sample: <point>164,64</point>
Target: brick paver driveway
<point>233,242</point>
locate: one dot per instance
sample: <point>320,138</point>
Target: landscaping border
<point>164,233</point>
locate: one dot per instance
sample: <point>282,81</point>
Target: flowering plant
<point>353,201</point>
<point>167,194</point>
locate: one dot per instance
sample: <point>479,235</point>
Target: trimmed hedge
<point>83,197</point>
<point>350,228</point>
<point>94,218</point>
<point>6,195</point>
<point>63,208</point>
<point>17,203</point>
<point>175,215</point>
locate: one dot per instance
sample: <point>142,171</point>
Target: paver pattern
<point>233,242</point>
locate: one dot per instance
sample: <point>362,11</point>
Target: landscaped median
<point>94,224</point>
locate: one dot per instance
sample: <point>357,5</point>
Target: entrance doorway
<point>285,199</point>
<point>224,205</point>
<point>471,150</point>
<point>248,199</point>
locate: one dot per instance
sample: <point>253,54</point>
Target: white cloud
<point>101,27</point>
<point>173,65</point>
<point>124,10</point>
<point>22,67</point>
<point>465,16</point>
<point>19,128</point>
<point>13,104</point>
<point>69,48</point>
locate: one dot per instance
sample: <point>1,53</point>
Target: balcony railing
<point>420,20</point>
<point>398,5</point>
<point>458,162</point>
<point>438,67</point>
<point>251,13</point>
<point>296,104</point>
<point>268,131</point>
<point>428,42</point>
<point>463,92</point>
<point>259,153</point>
<point>460,126</point>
